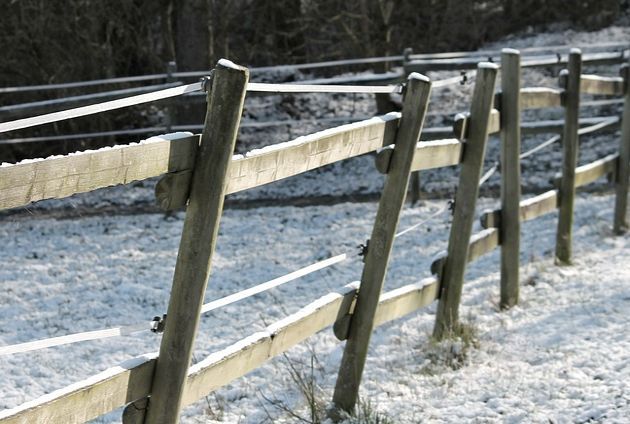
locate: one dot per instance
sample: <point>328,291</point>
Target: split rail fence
<point>466,62</point>
<point>199,170</point>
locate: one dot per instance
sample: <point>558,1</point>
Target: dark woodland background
<point>46,41</point>
<point>52,41</point>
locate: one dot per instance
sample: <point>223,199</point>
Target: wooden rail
<point>284,160</point>
<point>428,155</point>
<point>529,209</point>
<point>355,309</point>
<point>540,97</point>
<point>61,176</point>
<point>605,86</point>
<point>131,380</point>
<point>480,243</point>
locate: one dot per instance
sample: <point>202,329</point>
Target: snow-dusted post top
<point>383,233</point>
<point>199,235</point>
<point>452,275</point>
<point>570,147</point>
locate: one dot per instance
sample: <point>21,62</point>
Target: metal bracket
<point>206,82</point>
<point>363,249</point>
<point>451,206</point>
<point>158,324</point>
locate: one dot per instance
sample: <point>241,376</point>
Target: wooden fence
<point>198,171</point>
<point>549,56</point>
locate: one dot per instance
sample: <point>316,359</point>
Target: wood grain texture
<point>235,361</point>
<point>132,380</point>
<point>591,172</point>
<point>283,160</point>
<point>428,155</point>
<point>381,241</point>
<point>462,122</point>
<point>90,398</point>
<point>620,222</point>
<point>62,176</point>
<point>570,147</point>
<point>224,366</point>
<point>199,234</point>
<point>540,97</point>
<point>529,209</point>
<point>510,176</point>
<point>313,151</point>
<point>480,244</point>
<point>452,278</point>
<point>605,86</point>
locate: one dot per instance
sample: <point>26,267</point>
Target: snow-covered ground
<point>561,356</point>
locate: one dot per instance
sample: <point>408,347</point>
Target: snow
<point>488,65</point>
<point>417,76</point>
<point>228,64</point>
<point>562,355</point>
<point>155,139</point>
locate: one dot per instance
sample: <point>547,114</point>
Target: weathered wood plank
<point>225,366</point>
<point>620,222</point>
<point>570,147</point>
<point>591,172</point>
<point>481,243</point>
<point>452,279</point>
<point>529,209</point>
<point>605,86</point>
<point>61,176</point>
<point>90,398</point>
<point>415,106</point>
<point>405,300</point>
<point>237,360</point>
<point>284,160</point>
<point>462,122</point>
<point>510,176</point>
<point>131,380</point>
<point>540,97</point>
<point>437,154</point>
<point>226,98</point>
<point>428,155</point>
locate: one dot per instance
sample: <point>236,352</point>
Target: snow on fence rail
<point>170,382</point>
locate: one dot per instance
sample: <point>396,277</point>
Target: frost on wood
<point>272,163</point>
<point>61,176</point>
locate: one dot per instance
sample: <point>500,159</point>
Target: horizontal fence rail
<point>131,380</point>
<point>174,157</point>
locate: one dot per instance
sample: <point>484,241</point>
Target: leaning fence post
<point>623,170</point>
<point>199,235</point>
<point>415,176</point>
<point>570,146</point>
<point>510,232</point>
<point>452,275</point>
<point>380,245</point>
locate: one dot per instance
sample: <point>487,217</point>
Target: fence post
<point>199,235</point>
<point>171,68</point>
<point>377,257</point>
<point>452,275</point>
<point>570,146</point>
<point>623,170</point>
<point>510,233</point>
<point>415,176</point>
